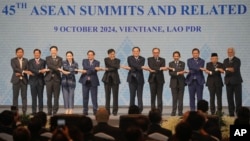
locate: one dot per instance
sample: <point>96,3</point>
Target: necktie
<point>37,61</point>
<point>21,63</point>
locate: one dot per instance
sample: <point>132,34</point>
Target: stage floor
<point>114,120</point>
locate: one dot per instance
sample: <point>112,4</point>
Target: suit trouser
<point>156,91</point>
<point>115,88</point>
<point>53,89</point>
<point>16,88</point>
<point>136,89</point>
<point>215,91</point>
<point>195,89</point>
<point>68,96</point>
<point>37,92</point>
<point>85,92</point>
<point>177,95</point>
<point>234,92</point>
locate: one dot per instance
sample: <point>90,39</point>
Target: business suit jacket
<point>36,78</point>
<point>155,65</point>
<point>69,79</point>
<point>136,70</point>
<point>112,72</point>
<point>176,81</point>
<point>17,69</point>
<point>233,77</point>
<point>53,67</point>
<point>91,72</point>
<point>215,77</point>
<point>156,128</point>
<point>194,71</point>
<point>110,130</point>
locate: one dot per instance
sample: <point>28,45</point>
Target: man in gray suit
<point>53,79</point>
<point>177,82</point>
<point>19,78</point>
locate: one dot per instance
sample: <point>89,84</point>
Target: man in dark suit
<point>214,82</point>
<point>111,80</point>
<point>155,117</point>
<point>177,82</point>
<point>53,79</point>
<point>195,78</point>
<point>102,117</point>
<point>156,78</point>
<point>36,81</point>
<point>135,76</point>
<point>19,78</point>
<point>233,81</point>
<point>90,81</point>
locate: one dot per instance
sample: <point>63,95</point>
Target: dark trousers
<point>53,89</point>
<point>16,88</point>
<point>156,91</point>
<point>195,89</point>
<point>136,89</point>
<point>68,96</point>
<point>234,92</point>
<point>215,91</point>
<point>115,88</point>
<point>85,92</point>
<point>177,95</point>
<point>37,93</point>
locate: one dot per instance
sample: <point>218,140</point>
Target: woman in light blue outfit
<point>69,70</point>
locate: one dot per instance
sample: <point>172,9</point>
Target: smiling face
<point>112,55</point>
<point>19,53</point>
<point>53,52</point>
<point>136,52</point>
<point>37,54</point>
<point>91,55</point>
<point>196,54</point>
<point>69,57</point>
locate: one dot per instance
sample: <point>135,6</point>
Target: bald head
<point>230,52</point>
<point>102,115</point>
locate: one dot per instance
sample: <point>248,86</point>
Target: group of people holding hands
<point>56,73</point>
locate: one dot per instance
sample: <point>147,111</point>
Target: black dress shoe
<point>85,114</point>
<point>115,114</point>
<point>173,114</point>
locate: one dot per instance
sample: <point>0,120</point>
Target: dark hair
<point>42,116</point>
<point>110,51</point>
<point>135,48</point>
<point>21,134</point>
<point>35,125</point>
<point>155,116</point>
<point>243,112</point>
<point>195,120</point>
<point>183,131</point>
<point>86,124</point>
<point>53,47</point>
<point>133,133</point>
<point>156,48</point>
<point>91,51</point>
<point>133,109</point>
<point>196,49</point>
<point>70,52</point>
<point>59,136</point>
<point>177,52</point>
<point>37,50</point>
<point>7,118</point>
<point>19,48</point>
<point>202,105</point>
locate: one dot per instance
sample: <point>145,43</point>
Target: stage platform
<point>114,120</point>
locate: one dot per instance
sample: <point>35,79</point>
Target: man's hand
<point>126,67</point>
